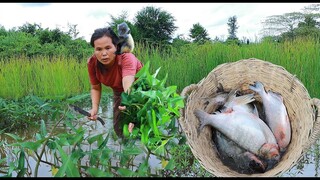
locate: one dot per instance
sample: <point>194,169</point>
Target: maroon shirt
<point>125,64</point>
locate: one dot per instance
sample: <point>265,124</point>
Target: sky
<point>90,16</point>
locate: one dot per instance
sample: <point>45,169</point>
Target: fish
<point>237,102</point>
<point>221,97</point>
<point>244,128</point>
<point>213,104</point>
<point>230,152</point>
<point>276,114</point>
<point>217,101</point>
<point>237,157</point>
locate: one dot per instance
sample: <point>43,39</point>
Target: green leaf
<point>132,150</point>
<point>143,169</point>
<point>154,123</point>
<point>68,167</point>
<point>77,138</point>
<point>95,138</point>
<point>125,131</point>
<point>32,145</point>
<point>15,137</point>
<point>43,130</point>
<point>94,172</point>
<point>102,144</point>
<point>143,70</point>
<point>150,94</point>
<point>21,159</point>
<point>144,134</point>
<point>125,172</point>
<point>170,165</point>
<point>163,81</point>
<point>169,90</point>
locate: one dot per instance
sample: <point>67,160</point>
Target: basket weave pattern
<point>302,111</point>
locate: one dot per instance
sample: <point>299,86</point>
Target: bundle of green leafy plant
<point>153,108</point>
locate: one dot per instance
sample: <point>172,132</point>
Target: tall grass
<point>44,77</point>
<point>63,76</point>
<point>300,57</point>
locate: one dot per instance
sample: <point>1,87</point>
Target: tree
<point>32,29</point>
<point>123,17</point>
<point>180,41</point>
<point>73,31</point>
<point>278,24</point>
<point>233,27</point>
<point>155,25</point>
<point>3,31</point>
<point>295,24</point>
<point>199,34</point>
<point>312,9</point>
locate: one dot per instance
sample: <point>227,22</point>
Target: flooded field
<point>307,167</point>
<point>91,128</point>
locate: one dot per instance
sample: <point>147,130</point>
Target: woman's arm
<point>95,99</point>
<point>127,81</point>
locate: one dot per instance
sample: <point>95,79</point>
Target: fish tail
<point>200,114</point>
<point>257,87</point>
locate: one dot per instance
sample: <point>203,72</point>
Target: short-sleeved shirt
<point>125,64</point>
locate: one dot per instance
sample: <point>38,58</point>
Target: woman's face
<point>104,50</point>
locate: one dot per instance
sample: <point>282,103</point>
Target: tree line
<point>154,27</point>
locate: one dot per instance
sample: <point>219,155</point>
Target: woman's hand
<point>93,113</point>
<point>122,108</point>
<point>131,125</point>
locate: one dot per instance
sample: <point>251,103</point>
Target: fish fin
<point>220,88</point>
<point>255,110</point>
<point>238,100</point>
<point>230,97</point>
<point>257,87</point>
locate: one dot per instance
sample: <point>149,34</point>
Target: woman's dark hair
<point>99,33</point>
<point>107,31</point>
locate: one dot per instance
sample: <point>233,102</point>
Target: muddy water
<point>307,167</point>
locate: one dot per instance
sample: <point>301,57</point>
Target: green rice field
<point>64,77</point>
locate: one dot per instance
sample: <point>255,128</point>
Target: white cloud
<point>89,16</point>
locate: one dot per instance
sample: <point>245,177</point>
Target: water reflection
<point>308,166</point>
<point>91,128</point>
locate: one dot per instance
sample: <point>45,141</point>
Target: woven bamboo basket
<point>302,111</point>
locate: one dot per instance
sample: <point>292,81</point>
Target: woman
<point>115,71</point>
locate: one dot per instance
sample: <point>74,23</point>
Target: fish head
<point>258,166</point>
<point>255,163</point>
<point>270,152</point>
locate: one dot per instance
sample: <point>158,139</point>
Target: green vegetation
<point>43,76</point>
<point>63,76</point>
<point>154,108</point>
